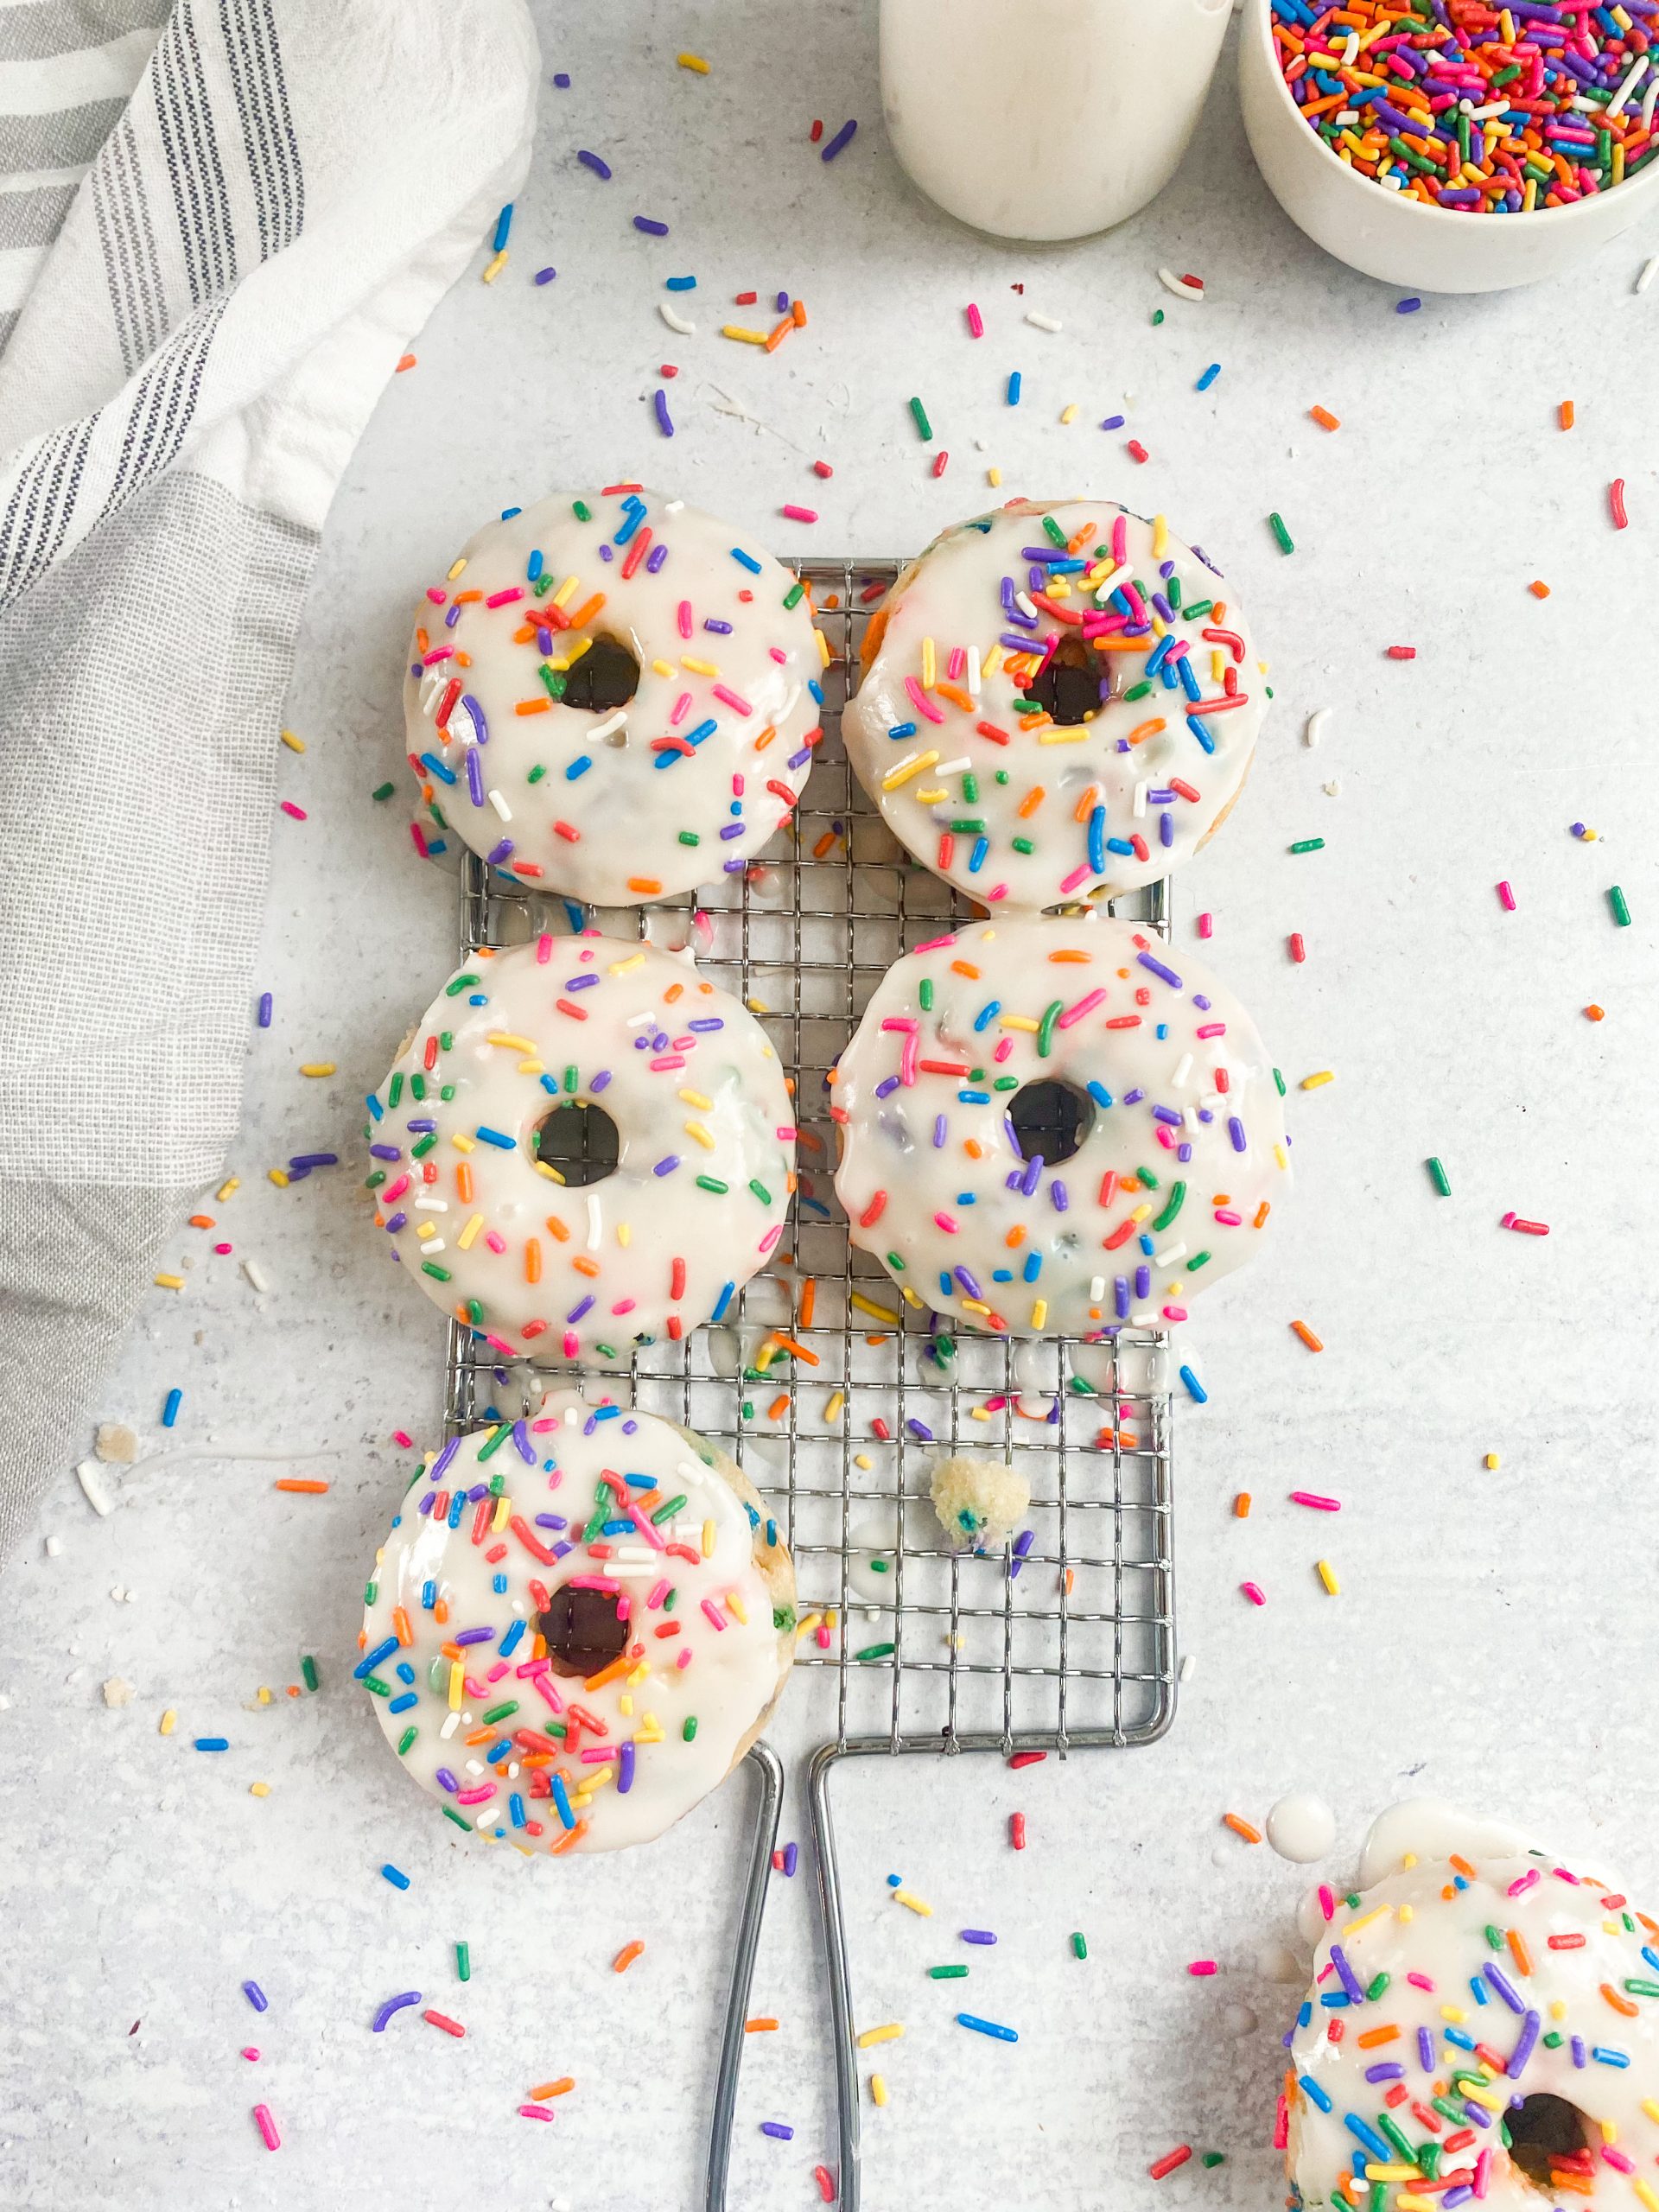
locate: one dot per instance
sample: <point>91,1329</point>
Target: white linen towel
<point>218,234</point>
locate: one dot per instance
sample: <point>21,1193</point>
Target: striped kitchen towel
<point>221,226</point>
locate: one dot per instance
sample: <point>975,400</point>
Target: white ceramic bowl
<point>1401,240</point>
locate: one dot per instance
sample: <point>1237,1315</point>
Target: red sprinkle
<point>1170,2160</point>
<point>1297,947</point>
<point>442,2020</point>
<point>821,2174</point>
<point>939,462</point>
<point>821,468</point>
<point>1017,1830</point>
<point>1524,1228</point>
<point>1403,653</point>
<point>1027,1758</point>
<point>666,369</point>
<point>1616,502</point>
<point>1137,451</point>
<point>747,298</point>
<point>815,134</point>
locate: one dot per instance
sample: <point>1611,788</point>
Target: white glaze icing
<point>1550,1951</point>
<point>1113,810</point>
<point>921,1099</point>
<point>481,1573</point>
<point>1301,1827</point>
<point>685,1073</point>
<point>714,745</point>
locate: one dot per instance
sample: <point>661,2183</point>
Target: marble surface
<point>1494,1637</point>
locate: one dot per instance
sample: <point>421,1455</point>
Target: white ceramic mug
<point>1046,119</point>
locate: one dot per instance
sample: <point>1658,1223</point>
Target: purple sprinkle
<point>977,1935</point>
<point>919,1430</point>
<point>551,1521</point>
<point>264,1009</point>
<point>398,1221</point>
<point>625,1770</point>
<point>1525,2044</point>
<point>393,2004</point>
<point>1388,2073</point>
<point>445,1780</point>
<point>453,616</point>
<point>475,715</point>
<point>1114,422</point>
<point>1133,1097</point>
<point>1581,2056</point>
<point>475,779</point>
<point>441,1464</point>
<point>655,559</point>
<point>1057,1192</point>
<point>591,161</point>
<point>314,1160</point>
<point>1407,307</point>
<point>791,1853</point>
<point>667,1166</point>
<point>783,303</point>
<point>940,1128</point>
<point>1157,968</point>
<point>476,1636</point>
<point>888,1085</point>
<point>256,1997</point>
<point>562,79</point>
<point>776,2127</point>
<point>1346,1976</point>
<point>497,854</point>
<point>545,275</point>
<point>1201,1002</point>
<point>651,228</point>
<point>705,1022</point>
<point>664,421</point>
<point>721,629</point>
<point>732,829</point>
<point>601,1081</point>
<point>1022,1545</point>
<point>1505,1988</point>
<point>839,139</point>
<point>1426,2050</point>
<point>1241,1143</point>
<point>386,1152</point>
<point>583,1305</point>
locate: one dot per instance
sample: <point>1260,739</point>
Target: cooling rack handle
<point>770,1774</point>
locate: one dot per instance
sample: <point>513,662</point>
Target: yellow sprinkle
<point>546,1168</point>
<point>1280,1156</point>
<point>1651,2107</point>
<point>1644,2190</point>
<point>456,569</point>
<point>734,1606</point>
<point>757,1005</point>
<point>993,477</point>
<point>913,1904</point>
<point>294,744</point>
<point>1160,535</point>
<point>1058,736</point>
<point>1313,1082</point>
<point>807,1621</point>
<point>625,967</point>
<point>1354,1926</point>
<point>1455,2014</point>
<point>693,61</point>
<point>424,1229</point>
<point>891,2033</point>
<point>696,1129</point>
<point>264,1694</point>
<point>993,661</point>
<point>930,799</point>
<point>1608,2127</point>
<point>824,654</point>
<point>837,1399</point>
<point>698,667</point>
<point>503,1513</point>
<point>977,1413</point>
<point>227,1189</point>
<point>745,337</point>
<point>930,668</point>
<point>462,1143</point>
<point>625,1234</point>
<point>316,1067</point>
<point>496,266</point>
<point>1492,1461</point>
<point>1039,1311</point>
<point>1328,1576</point>
<point>902,774</point>
<point>168,1723</point>
<point>258,1789</point>
<point>1494,2100</point>
<point>506,1037</point>
<point>171,1282</point>
<point>708,1540</point>
<point>532,1067</point>
<point>663,667</point>
<point>878,2089</point>
<point>1558,2010</point>
<point>863,1462</point>
<point>1068,413</point>
<point>1408,1912</point>
<point>1393,2172</point>
<point>974,1306</point>
<point>457,1684</point>
<point>1019,1021</point>
<point>564,592</point>
<point>695,1098</point>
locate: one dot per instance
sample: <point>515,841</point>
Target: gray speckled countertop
<point>1494,1638</point>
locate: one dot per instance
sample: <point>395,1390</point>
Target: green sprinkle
<point>1374,1988</point>
<point>1006,1083</point>
<point>1554,2040</point>
<point>406,1740</point>
<point>1173,1205</point>
<point>1137,691</point>
<point>453,990</point>
<point>1198,1260</point>
<point>796,592</point>
<point>761,1191</point>
<point>370,1591</point>
<point>438,1275</point>
<point>394,1091</point>
<point>709,1183</point>
<point>922,422</point>
<point>553,680</point>
<point>667,1512</point>
<point>925,994</point>
<point>947,1974</point>
<point>1079,1946</point>
<point>689,838</point>
<point>1219,2158</point>
<point>496,1441</point>
<point>463,1962</point>
<point>309,1669</point>
<point>1308,845</point>
<point>450,1813</point>
<point>537,772</point>
<point>384,790</point>
<point>1054,530</point>
<point>1051,1014</point>
<point>497,1484</point>
<point>876,1651</point>
<point>1621,910</point>
<point>501,1712</point>
<point>1157,317</point>
<point>572,1081</point>
<point>1279,1082</point>
<point>1287,543</point>
<point>417,1085</point>
<point>376,1686</point>
<point>1023,845</point>
<point>581,511</point>
<point>1643,1988</point>
<point>1146,1179</point>
<point>970,789</point>
<point>1438,1177</point>
<point>688,1727</point>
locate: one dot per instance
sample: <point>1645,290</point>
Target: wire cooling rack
<point>1071,1646</point>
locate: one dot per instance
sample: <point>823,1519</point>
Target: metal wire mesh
<point>1071,1645</point>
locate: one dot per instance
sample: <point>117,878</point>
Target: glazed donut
<point>582,1144</point>
<point>1479,2030</point>
<point>1052,1126</point>
<point>577,1626</point>
<point>1058,703</point>
<point>610,695</point>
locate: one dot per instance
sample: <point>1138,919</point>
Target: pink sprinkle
<point>1282,2125</point>
<point>1506,898</point>
<point>1255,1592</point>
<point>1524,1882</point>
<point>1211,1029</point>
<point>297,813</point>
<point>730,698</point>
<point>534,2111</point>
<point>919,700</point>
<point>821,468</point>
<point>222,1249</point>
<point>1319,1505</point>
<point>543,950</point>
<point>1327,1901</point>
<point>945,1223</point>
<point>801,514</point>
<point>267,2127</point>
<point>684,1659</point>
<point>436,597</point>
<point>1417,1981</point>
<point>1202,1966</point>
<point>684,614</point>
<point>505,598</point>
<point>714,1613</point>
<point>1207,925</point>
<point>975,321</point>
<point>250,2050</point>
<point>1618,2160</point>
<point>400,1436</point>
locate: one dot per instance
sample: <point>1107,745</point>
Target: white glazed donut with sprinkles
<point>577,1626</point>
<point>611,695</point>
<point>1059,702</point>
<point>583,1143</point>
<point>1053,1127</point>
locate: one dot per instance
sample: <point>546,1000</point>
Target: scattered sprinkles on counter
<point>1474,109</point>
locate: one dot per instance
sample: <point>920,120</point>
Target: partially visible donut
<point>577,1626</point>
<point>1479,2031</point>
<point>1059,702</point>
<point>611,695</point>
<point>583,1143</point>
<point>1052,1126</point>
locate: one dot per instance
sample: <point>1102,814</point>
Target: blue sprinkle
<point>1311,2089</point>
<point>495,1137</point>
<point>1209,377</point>
<point>264,1009</point>
<point>682,283</point>
<point>1013,388</point>
<point>212,1743</point>
<point>503,228</point>
<point>895,1881</point>
<point>170,1410</point>
<point>745,560</point>
<point>986,2028</point>
<point>403,1704</point>
<point>395,1875</point>
<point>1195,1390</point>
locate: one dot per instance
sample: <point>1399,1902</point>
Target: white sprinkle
<point>1181,289</point>
<point>499,804</point>
<point>1189,1666</point>
<point>1650,271</point>
<point>1040,321</point>
<point>1168,1259</point>
<point>1182,1068</point>
<point>973,671</point>
<point>1331,789</point>
<point>1140,789</point>
<point>93,1482</point>
<point>54,1548</point>
<point>431,1246</point>
<point>431,1205</point>
<point>254,1274</point>
<point>674,507</point>
<point>603,729</point>
<point>1638,70</point>
<point>676,321</point>
<point>1313,728</point>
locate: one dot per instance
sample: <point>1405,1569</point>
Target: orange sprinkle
<point>779,1406</point>
<point>532,707</point>
<point>585,613</point>
<point>584,1266</point>
<point>1240,1826</point>
<point>561,2088</point>
<point>1323,416</point>
<point>964,968</point>
<point>617,1667</point>
<point>809,1303</point>
<point>758,2027</point>
<point>203,1221</point>
<point>1538,588</point>
<point>401,1628</point>
<point>407,362</point>
<point>1301,1329</point>
<point>788,1344</point>
<point>1084,958</point>
<point>1241,1506</point>
<point>557,1229</point>
<point>626,1957</point>
<point>532,1261</point>
<point>1145,730</point>
<point>1619,2003</point>
<point>464,1183</point>
<point>1460,1866</point>
<point>1593,1013</point>
<point>1375,2037</point>
<point>564,1842</point>
<point>1085,805</point>
<point>647,884</point>
<point>1564,415</point>
<point>1519,1952</point>
<point>307,1489</point>
<point>1029,806</point>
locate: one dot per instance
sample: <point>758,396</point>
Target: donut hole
<point>583,1632</point>
<point>1543,2128</point>
<point>1049,1121</point>
<point>1073,683</point>
<point>578,1142</point>
<point>606,676</point>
